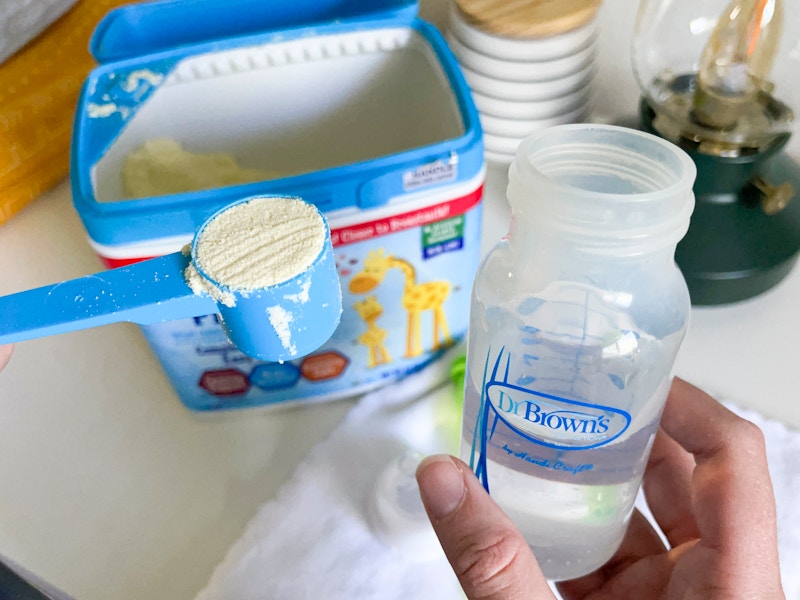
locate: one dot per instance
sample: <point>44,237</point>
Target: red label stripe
<point>409,220</point>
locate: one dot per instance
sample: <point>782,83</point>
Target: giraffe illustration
<point>370,309</point>
<point>417,297</point>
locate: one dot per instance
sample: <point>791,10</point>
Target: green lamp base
<point>738,244</point>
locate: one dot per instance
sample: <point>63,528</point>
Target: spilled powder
<point>280,319</point>
<point>256,245</point>
<point>141,75</point>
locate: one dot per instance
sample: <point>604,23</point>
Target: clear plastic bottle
<point>577,316</point>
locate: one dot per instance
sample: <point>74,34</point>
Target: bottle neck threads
<point>602,189</point>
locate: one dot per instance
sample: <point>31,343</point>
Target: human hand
<point>709,490</point>
<point>5,355</point>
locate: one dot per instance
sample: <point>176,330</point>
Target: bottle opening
<point>603,184</point>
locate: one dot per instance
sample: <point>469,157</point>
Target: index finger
<point>731,490</point>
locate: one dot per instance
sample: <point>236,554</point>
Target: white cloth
<point>316,539</point>
<point>23,20</point>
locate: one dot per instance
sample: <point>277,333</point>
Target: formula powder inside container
<point>255,245</point>
<point>162,166</point>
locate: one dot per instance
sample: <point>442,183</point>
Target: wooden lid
<point>527,18</point>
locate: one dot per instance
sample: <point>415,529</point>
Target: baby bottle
<point>576,319</point>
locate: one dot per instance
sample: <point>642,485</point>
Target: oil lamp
<point>719,78</point>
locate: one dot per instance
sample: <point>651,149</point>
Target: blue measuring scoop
<point>309,304</point>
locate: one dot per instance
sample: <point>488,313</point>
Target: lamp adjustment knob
<point>774,197</point>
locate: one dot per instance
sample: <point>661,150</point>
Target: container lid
<point>527,18</point>
<point>140,29</point>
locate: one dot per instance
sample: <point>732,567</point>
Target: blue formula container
<point>362,111</point>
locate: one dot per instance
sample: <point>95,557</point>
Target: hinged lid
<point>140,29</point>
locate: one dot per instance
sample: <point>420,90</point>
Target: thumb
<point>488,554</point>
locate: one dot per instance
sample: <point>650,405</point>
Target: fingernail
<point>441,485</point>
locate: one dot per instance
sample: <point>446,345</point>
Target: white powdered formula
<point>255,245</point>
<point>162,166</point>
<point>281,320</point>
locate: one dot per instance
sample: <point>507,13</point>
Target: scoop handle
<point>146,292</point>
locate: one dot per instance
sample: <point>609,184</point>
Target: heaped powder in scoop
<point>255,245</point>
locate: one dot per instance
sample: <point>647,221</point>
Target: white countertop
<point>112,490</point>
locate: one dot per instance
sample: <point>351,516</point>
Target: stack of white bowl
<point>527,68</point>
